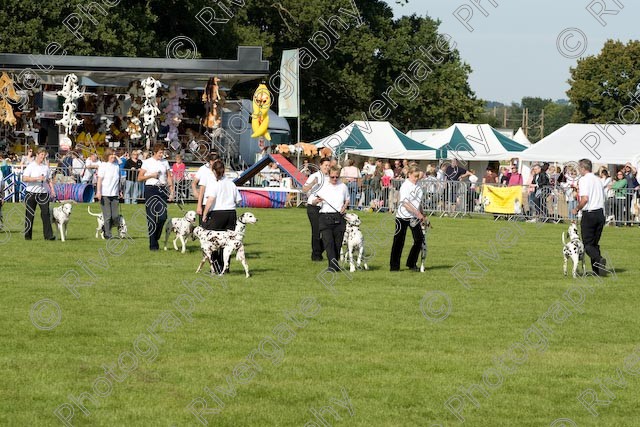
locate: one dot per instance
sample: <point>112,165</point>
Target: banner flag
<point>289,85</point>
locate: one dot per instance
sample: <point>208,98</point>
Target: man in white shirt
<point>109,190</point>
<point>37,176</point>
<point>156,175</point>
<point>409,214</point>
<point>313,184</point>
<point>77,167</point>
<point>592,206</point>
<point>199,183</point>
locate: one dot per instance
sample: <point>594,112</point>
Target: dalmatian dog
<point>122,225</point>
<point>60,217</point>
<point>573,249</point>
<point>424,226</point>
<point>228,240</point>
<point>610,221</point>
<point>183,227</point>
<point>354,241</point>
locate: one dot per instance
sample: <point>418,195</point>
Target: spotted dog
<point>182,227</point>
<point>60,217</point>
<point>122,225</point>
<point>353,240</point>
<point>424,225</point>
<point>228,240</point>
<point>573,249</point>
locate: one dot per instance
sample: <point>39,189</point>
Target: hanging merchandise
<point>260,117</point>
<point>150,107</point>
<point>213,102</point>
<point>70,93</point>
<point>8,92</point>
<point>134,129</point>
<point>173,115</point>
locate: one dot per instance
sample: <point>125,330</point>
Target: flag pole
<point>298,83</point>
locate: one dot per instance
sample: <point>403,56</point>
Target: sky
<point>514,51</point>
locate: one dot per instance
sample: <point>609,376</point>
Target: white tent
<point>521,138</point>
<point>466,141</point>
<point>605,144</point>
<point>376,139</point>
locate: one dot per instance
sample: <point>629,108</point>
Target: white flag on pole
<point>289,85</point>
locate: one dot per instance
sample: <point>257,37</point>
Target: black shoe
<point>51,238</point>
<point>27,238</point>
<point>600,267</point>
<point>394,269</point>
<point>316,259</point>
<point>415,268</point>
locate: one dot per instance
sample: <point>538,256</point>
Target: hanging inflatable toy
<point>260,117</point>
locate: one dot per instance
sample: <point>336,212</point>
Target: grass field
<point>512,340</point>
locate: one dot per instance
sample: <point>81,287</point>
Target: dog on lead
<point>60,217</point>
<point>573,248</point>
<point>425,224</point>
<point>228,241</point>
<point>354,241</point>
<point>183,227</point>
<point>122,225</point>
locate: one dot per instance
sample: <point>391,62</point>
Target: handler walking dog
<point>314,183</point>
<point>333,199</point>
<point>408,215</point>
<point>37,176</point>
<point>592,206</point>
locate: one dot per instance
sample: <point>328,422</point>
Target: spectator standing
<point>27,159</point>
<point>90,169</point>
<point>178,170</point>
<point>632,185</point>
<point>619,188</point>
<point>132,188</point>
<point>504,176</point>
<point>515,178</point>
<point>570,186</point>
<point>350,175</point>
<point>37,176</point>
<point>490,177</point>
<point>607,183</point>
<point>397,170</point>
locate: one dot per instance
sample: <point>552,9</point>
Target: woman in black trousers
<point>220,211</point>
<point>333,199</point>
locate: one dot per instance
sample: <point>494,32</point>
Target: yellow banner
<point>502,200</point>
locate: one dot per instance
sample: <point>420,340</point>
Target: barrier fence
<point>440,198</point>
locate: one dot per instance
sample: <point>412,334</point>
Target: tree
<point>606,87</point>
<point>535,104</point>
<point>556,115</point>
<point>370,57</point>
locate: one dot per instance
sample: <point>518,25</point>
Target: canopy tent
<point>521,138</point>
<point>466,141</point>
<point>376,139</point>
<point>606,144</point>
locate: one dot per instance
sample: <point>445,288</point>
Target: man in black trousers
<point>313,184</point>
<point>592,206</point>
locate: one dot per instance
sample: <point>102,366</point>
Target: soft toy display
<point>134,129</point>
<point>260,117</point>
<point>173,114</point>
<point>70,93</point>
<point>150,107</point>
<point>136,93</point>
<point>7,91</point>
<point>213,104</point>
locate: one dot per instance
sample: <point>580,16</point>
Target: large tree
<point>368,55</point>
<point>605,87</point>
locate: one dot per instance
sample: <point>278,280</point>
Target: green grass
<point>369,337</point>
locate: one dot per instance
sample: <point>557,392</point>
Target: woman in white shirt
<point>222,197</point>
<point>333,199</point>
<point>158,182</point>
<point>37,176</point>
<point>109,190</point>
<point>408,215</point>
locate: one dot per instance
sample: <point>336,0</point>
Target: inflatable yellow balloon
<point>260,116</point>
